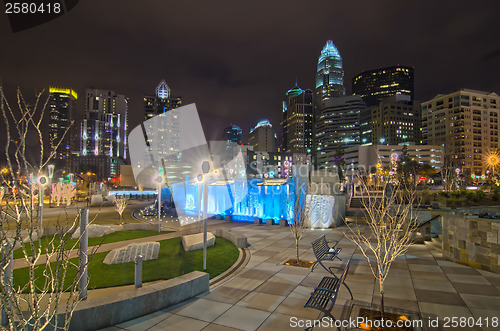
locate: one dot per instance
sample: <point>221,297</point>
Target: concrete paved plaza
<point>266,294</point>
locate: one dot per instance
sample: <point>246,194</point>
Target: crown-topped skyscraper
<point>329,74</point>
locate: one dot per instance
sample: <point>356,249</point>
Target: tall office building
<point>104,129</point>
<point>62,105</point>
<point>329,73</point>
<point>395,120</point>
<point>375,85</point>
<point>161,102</point>
<point>233,134</point>
<point>465,122</point>
<point>329,84</point>
<point>263,138</point>
<point>166,126</point>
<point>337,123</point>
<point>297,121</point>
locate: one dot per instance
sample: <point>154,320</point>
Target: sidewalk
<point>267,294</point>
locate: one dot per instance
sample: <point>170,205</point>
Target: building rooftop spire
<point>329,51</point>
<point>162,90</point>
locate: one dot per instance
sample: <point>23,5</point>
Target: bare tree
<point>303,209</point>
<point>120,205</point>
<point>63,193</point>
<point>449,175</point>
<point>50,295</point>
<point>298,224</point>
<point>391,221</point>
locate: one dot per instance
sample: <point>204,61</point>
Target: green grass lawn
<point>172,261</point>
<point>55,241</point>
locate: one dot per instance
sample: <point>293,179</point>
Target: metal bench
<point>325,294</point>
<point>324,252</point>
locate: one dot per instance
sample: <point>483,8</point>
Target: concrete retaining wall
<point>102,312</point>
<point>478,210</point>
<point>472,241</point>
<point>55,230</point>
<point>339,210</point>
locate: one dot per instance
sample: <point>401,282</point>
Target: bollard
<point>138,271</point>
<point>84,243</point>
<point>9,267</point>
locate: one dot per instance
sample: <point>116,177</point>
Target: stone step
<point>357,202</point>
<point>435,244</point>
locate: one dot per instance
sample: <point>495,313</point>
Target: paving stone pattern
<point>267,294</point>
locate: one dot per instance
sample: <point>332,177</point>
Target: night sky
<point>236,59</point>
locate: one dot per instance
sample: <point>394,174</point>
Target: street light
<point>42,182</point>
<point>51,175</point>
<point>160,178</point>
<point>200,185</point>
<point>352,179</point>
<point>492,160</point>
<point>205,168</point>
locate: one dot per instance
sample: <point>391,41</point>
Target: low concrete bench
<point>258,221</point>
<point>94,314</point>
<point>324,252</point>
<point>267,221</point>
<point>325,294</point>
<point>236,237</point>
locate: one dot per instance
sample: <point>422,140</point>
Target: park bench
<point>324,296</point>
<point>324,252</point>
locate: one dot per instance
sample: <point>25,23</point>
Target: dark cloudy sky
<point>236,59</point>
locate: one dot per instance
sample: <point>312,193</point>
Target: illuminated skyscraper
<point>161,102</point>
<point>104,128</point>
<point>465,122</point>
<point>394,121</point>
<point>62,104</point>
<point>262,137</point>
<point>380,84</point>
<point>329,73</point>
<point>337,125</point>
<point>297,121</point>
<point>375,85</point>
<point>233,134</point>
<point>329,84</point>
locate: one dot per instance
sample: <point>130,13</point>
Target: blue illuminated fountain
<point>262,201</point>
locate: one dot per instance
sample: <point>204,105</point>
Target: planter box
<point>353,309</point>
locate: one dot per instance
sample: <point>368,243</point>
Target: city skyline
<point>235,69</point>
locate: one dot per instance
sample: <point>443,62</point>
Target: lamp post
<point>493,160</point>
<point>352,179</point>
<point>200,184</point>
<point>205,167</point>
<point>42,181</point>
<point>51,175</point>
<point>159,181</point>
